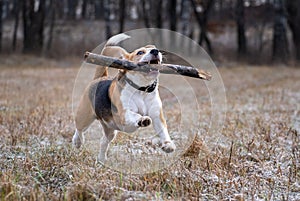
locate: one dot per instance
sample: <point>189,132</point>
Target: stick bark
<point>162,68</point>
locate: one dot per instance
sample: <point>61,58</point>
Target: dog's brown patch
<point>162,118</point>
<point>115,94</point>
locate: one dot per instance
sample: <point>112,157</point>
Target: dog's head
<point>148,54</point>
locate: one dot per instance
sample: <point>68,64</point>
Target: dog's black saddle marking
<point>101,101</point>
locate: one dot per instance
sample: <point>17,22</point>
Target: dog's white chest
<point>139,102</point>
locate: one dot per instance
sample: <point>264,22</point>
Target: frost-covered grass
<point>258,161</point>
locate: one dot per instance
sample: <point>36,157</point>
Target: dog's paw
<point>76,141</point>
<point>101,159</point>
<point>144,121</point>
<point>168,146</point>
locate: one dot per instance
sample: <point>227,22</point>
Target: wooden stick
<point>162,68</point>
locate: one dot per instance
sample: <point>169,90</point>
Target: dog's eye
<point>140,53</point>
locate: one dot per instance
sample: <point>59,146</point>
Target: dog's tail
<point>110,49</point>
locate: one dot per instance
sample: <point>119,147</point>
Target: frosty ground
<point>258,159</point>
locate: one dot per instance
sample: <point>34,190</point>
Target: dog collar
<point>147,89</point>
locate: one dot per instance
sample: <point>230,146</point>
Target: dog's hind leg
<point>83,119</point>
<point>78,139</point>
<point>108,135</point>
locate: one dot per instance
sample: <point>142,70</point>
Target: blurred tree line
<point>38,19</point>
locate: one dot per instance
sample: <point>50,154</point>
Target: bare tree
<point>202,21</point>
<point>16,25</point>
<point>107,11</point>
<point>145,6</point>
<point>158,9</point>
<point>33,23</point>
<point>72,4</point>
<point>185,17</point>
<point>280,42</point>
<point>52,12</point>
<point>83,8</point>
<point>99,9</point>
<point>240,22</point>
<point>1,25</point>
<point>172,5</point>
<point>122,10</point>
<point>60,9</point>
<point>293,10</point>
<point>152,8</point>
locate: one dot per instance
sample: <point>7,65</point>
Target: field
<point>255,157</point>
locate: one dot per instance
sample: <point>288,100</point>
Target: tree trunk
<point>221,7</point>
<point>33,23</point>
<point>60,9</point>
<point>16,25</point>
<point>158,19</point>
<point>280,42</point>
<point>145,7</point>
<point>185,17</point>
<point>72,4</point>
<point>83,9</point>
<point>52,22</point>
<point>99,9</point>
<point>202,22</point>
<point>122,11</point>
<point>172,14</point>
<point>240,21</point>
<point>1,25</point>
<point>107,18</point>
<point>293,9</point>
<point>203,37</point>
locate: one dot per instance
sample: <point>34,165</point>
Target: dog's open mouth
<point>151,71</point>
<point>154,61</point>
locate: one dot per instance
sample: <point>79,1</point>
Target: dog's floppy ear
<point>115,51</point>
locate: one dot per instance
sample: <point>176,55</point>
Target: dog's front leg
<point>160,126</point>
<point>130,121</point>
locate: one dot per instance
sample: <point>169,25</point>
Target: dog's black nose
<point>154,52</point>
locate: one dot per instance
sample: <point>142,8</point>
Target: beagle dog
<point>129,101</point>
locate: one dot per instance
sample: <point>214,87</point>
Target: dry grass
<point>259,162</point>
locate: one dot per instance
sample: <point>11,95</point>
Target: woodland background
<point>255,31</point>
